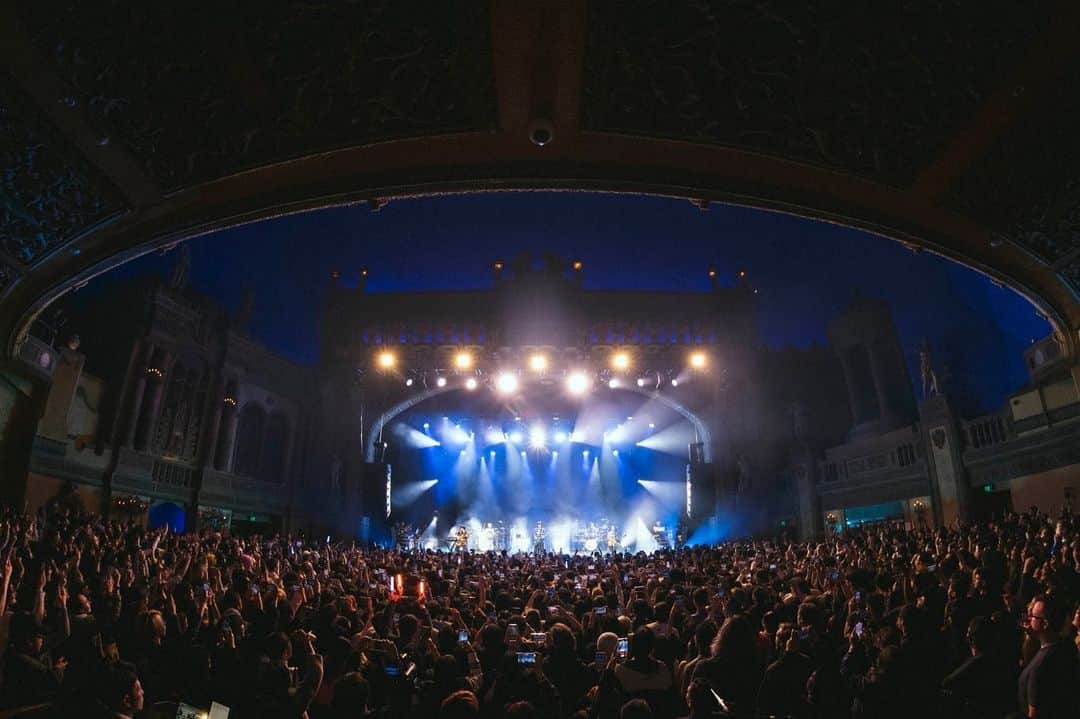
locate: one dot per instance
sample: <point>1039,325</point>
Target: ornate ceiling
<point>127,126</point>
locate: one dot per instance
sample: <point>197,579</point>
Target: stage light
<point>408,382</point>
<point>523,453</point>
<point>620,361</point>
<point>470,384</point>
<point>577,436</point>
<point>538,363</point>
<point>492,453</point>
<point>698,360</point>
<point>494,437</point>
<point>426,426</point>
<point>615,452</point>
<point>584,453</point>
<point>463,360</point>
<point>614,383</point>
<point>560,437</point>
<point>387,360</point>
<point>652,426</point>
<point>577,383</point>
<point>674,383</point>
<point>506,383</point>
<point>441,382</point>
<point>630,419</point>
<point>641,381</point>
<point>516,437</point>
<point>537,437</point>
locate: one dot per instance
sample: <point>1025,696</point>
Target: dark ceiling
<point>951,126</point>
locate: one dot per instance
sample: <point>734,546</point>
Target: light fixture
<point>674,383</point>
<point>409,382</point>
<point>440,382</point>
<point>641,381</point>
<point>426,426</point>
<point>614,383</point>
<point>698,360</point>
<point>523,453</point>
<point>470,384</point>
<point>652,426</point>
<point>620,361</point>
<point>516,437</point>
<point>577,383</point>
<point>538,363</point>
<point>537,436</point>
<point>463,360</point>
<point>506,383</point>
<point>494,437</point>
<point>387,360</point>
<point>560,437</point>
<point>615,452</point>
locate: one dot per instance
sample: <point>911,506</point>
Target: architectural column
<point>137,382</point>
<point>804,472</point>
<point>151,408</point>
<point>215,410</point>
<point>886,412</point>
<point>948,480</point>
<point>230,422</point>
<point>849,382</point>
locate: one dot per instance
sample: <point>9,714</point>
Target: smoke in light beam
<point>412,438</point>
<point>404,495</point>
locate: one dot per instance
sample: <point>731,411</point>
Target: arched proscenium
<point>702,429</point>
<point>388,416</point>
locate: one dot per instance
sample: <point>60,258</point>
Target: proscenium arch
<point>701,429</point>
<point>535,57</point>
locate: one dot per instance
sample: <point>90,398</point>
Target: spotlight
<point>462,453</point>
<point>560,437</point>
<point>652,426</point>
<point>387,360</point>
<point>538,363</point>
<point>584,453</point>
<point>698,360</point>
<point>614,383</point>
<point>506,383</point>
<point>463,360</point>
<point>615,452</point>
<point>494,437</point>
<point>516,437</point>
<point>577,436</point>
<point>441,382</point>
<point>674,383</point>
<point>523,453</point>
<point>426,426</point>
<point>470,384</point>
<point>577,383</point>
<point>492,453</point>
<point>408,382</point>
<point>620,361</point>
<point>537,437</point>
<point>641,381</point>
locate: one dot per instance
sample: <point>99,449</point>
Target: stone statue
<point>182,270</point>
<point>930,387</point>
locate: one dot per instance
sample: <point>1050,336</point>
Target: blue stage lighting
<point>537,437</point>
<point>493,436</point>
<point>516,437</point>
<point>560,437</point>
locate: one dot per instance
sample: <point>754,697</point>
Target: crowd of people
<point>114,619</point>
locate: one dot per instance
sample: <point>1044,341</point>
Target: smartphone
<point>463,636</point>
<point>554,609</point>
<point>205,588</point>
<point>526,658</point>
<point>804,635</point>
<point>836,576</point>
<point>539,638</point>
<point>601,660</point>
<point>624,647</point>
<point>397,618</point>
<point>858,596</point>
<point>512,631</point>
<point>393,670</point>
<point>858,629</point>
<point>599,611</point>
<point>772,567</point>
